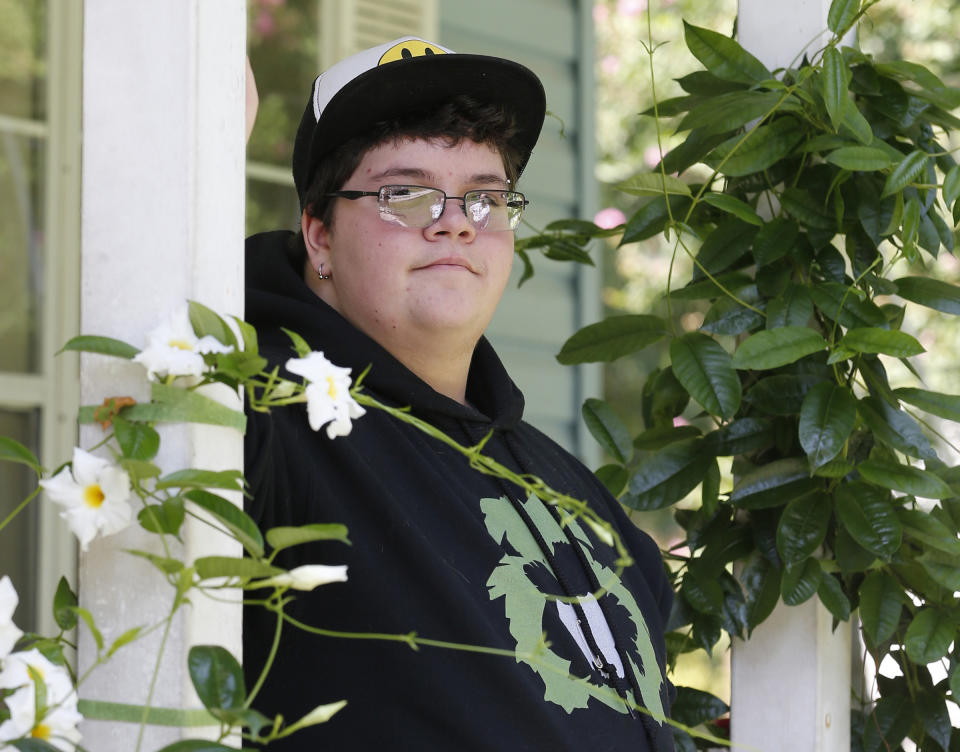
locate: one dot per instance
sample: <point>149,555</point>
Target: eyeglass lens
<point>418,206</point>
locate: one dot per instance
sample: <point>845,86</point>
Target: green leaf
<point>238,522</point>
<point>729,111</point>
<point>100,710</point>
<point>724,247</point>
<point>834,81</point>
<point>177,405</point>
<point>888,723</point>
<point>217,677</point>
<point>196,745</point>
<point>665,477</point>
<point>207,322</point>
<point>855,124</point>
<point>607,429</point>
<point>300,345</point>
<point>231,480</point>
<point>905,173</point>
<point>945,574</point>
<point>802,527</point>
<point>775,240</point>
<point>137,441</point>
<point>32,745</point>
<point>793,308</point>
<point>694,706</point>
<point>611,338</point>
<point>723,57</point>
<point>881,601</point>
<point>773,348</point>
<point>761,586</point>
<point>64,605</point>
<point>740,436</point>
<point>652,184</point>
<point>163,518</point>
<point>732,205</point>
<point>830,296</point>
<point>756,150</point>
<point>831,595</point>
<point>13,451</point>
<point>869,516</point>
<point>930,531</point>
<point>728,317</point>
<point>827,418</point>
<point>800,582</point>
<point>775,483</point>
<point>808,210</point>
<point>951,186</point>
<point>882,341</point>
<point>167,565</point>
<point>614,478</point>
<point>932,293</point>
<point>280,538</point>
<point>124,639</point>
<point>229,566</point>
<point>91,626</point>
<point>895,428</point>
<point>101,346</point>
<point>652,217</point>
<point>929,635</point>
<point>934,716</point>
<point>659,436</point>
<point>860,158</point>
<point>704,368</point>
<point>841,15</point>
<point>908,480</point>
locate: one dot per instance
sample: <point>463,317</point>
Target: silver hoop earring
<point>320,273</point>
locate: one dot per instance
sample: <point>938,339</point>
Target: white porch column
<point>791,680</point>
<point>163,218</point>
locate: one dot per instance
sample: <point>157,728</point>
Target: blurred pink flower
<point>610,64</point>
<point>651,156</point>
<point>600,12</point>
<point>264,23</point>
<point>680,421</point>
<point>609,217</point>
<point>631,7</point>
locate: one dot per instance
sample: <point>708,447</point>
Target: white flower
<point>328,394</point>
<point>306,577</point>
<point>9,634</point>
<point>56,723</point>
<point>174,350</point>
<point>95,496</point>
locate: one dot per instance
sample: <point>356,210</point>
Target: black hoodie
<point>440,550</point>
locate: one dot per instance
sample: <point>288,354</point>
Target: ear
<point>316,238</point>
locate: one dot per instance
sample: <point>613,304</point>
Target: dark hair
<point>452,122</point>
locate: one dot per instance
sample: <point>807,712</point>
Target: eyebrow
<point>481,178</point>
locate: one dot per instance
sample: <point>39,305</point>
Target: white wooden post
<point>163,217</point>
<point>791,681</point>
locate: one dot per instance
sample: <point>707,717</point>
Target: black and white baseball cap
<point>404,75</point>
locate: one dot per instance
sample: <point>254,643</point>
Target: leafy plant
<point>821,178</point>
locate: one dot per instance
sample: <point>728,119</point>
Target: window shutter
<point>348,26</point>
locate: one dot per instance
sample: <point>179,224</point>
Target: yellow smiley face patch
<point>410,48</point>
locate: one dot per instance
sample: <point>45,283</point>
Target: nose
<point>452,222</point>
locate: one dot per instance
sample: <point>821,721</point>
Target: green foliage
<point>819,181</point>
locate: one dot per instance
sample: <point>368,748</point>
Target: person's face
<point>396,283</point>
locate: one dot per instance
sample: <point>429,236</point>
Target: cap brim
<point>419,83</point>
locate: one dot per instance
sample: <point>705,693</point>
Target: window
<point>39,273</point>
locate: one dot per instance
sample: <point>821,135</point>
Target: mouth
<point>448,262</point>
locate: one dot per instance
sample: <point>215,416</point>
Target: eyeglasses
<point>419,206</point>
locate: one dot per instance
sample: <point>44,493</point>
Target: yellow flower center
<point>93,496</point>
<point>331,388</point>
<point>180,344</point>
<point>41,731</point>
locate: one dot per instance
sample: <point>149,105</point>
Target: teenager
<point>406,163</point>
